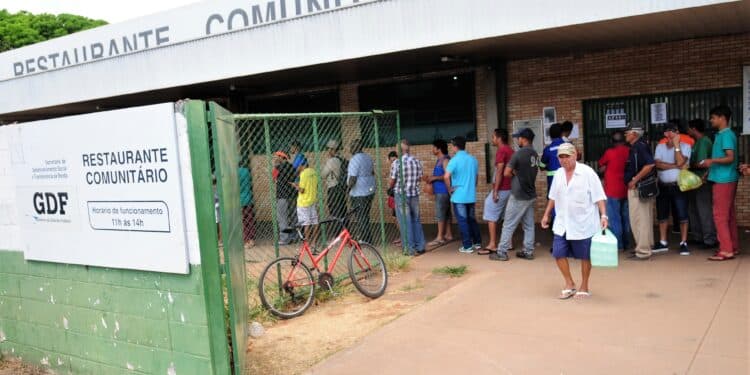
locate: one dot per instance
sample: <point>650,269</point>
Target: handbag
<point>648,186</point>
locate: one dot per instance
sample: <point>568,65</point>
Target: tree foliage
<point>24,28</point>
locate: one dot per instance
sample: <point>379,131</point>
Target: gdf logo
<point>46,203</point>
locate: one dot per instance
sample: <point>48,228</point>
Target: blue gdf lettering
<point>46,203</point>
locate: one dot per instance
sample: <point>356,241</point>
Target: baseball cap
<point>524,133</point>
<point>566,149</point>
<point>635,125</point>
<point>281,154</point>
<point>333,144</point>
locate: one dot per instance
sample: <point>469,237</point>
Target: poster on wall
<point>102,189</point>
<point>746,99</point>
<point>549,115</point>
<point>615,117</point>
<point>536,126</point>
<point>659,113</point>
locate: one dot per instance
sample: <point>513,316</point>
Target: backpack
<point>343,173</point>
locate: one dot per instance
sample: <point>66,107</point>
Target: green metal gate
<point>680,105</point>
<point>226,160</point>
<point>318,138</point>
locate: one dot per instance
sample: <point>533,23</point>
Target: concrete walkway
<point>671,315</point>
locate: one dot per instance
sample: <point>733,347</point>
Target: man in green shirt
<point>700,201</point>
<point>722,171</point>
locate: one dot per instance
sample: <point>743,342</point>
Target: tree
<point>23,28</point>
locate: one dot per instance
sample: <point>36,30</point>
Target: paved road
<point>671,315</point>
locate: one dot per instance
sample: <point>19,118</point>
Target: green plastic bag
<point>688,180</point>
<point>604,249</point>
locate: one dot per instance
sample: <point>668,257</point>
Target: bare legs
<point>564,266</point>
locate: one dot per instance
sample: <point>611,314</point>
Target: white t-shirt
<point>666,155</point>
<point>577,214</point>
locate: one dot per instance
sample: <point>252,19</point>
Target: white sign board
<point>659,113</point>
<point>536,126</point>
<point>191,22</point>
<point>102,189</point>
<point>615,118</point>
<point>746,100</point>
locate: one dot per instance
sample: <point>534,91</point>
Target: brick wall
<point>565,81</point>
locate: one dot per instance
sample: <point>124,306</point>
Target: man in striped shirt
<point>406,173</point>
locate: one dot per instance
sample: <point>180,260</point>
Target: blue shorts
<point>564,248</point>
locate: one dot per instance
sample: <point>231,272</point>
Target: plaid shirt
<point>412,175</point>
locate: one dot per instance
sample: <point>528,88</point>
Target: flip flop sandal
<point>485,251</point>
<point>582,295</point>
<point>567,293</point>
<point>436,243</point>
<point>718,257</point>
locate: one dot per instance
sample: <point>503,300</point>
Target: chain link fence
<point>274,151</point>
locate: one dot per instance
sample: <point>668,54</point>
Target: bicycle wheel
<point>367,270</point>
<point>284,290</point>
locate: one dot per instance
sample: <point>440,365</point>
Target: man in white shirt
<point>670,158</point>
<point>579,201</point>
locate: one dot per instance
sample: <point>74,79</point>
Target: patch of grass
<point>259,314</point>
<point>429,298</point>
<point>396,262</point>
<point>340,288</point>
<point>409,287</point>
<point>452,271</point>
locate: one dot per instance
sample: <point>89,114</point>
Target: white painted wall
<point>354,32</point>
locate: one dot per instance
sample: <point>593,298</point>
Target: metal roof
<point>341,41</point>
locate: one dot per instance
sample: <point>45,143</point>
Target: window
<point>430,109</point>
<point>285,131</point>
<point>683,106</point>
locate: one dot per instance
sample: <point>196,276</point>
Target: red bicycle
<point>287,286</point>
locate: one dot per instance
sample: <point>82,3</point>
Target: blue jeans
<point>407,214</point>
<point>619,220</point>
<point>467,224</point>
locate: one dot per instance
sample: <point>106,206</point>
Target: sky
<point>112,11</point>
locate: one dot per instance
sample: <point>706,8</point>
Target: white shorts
<point>307,215</point>
<point>493,212</point>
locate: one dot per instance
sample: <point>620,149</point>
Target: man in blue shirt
<point>361,182</point>
<point>461,181</point>
<point>550,162</point>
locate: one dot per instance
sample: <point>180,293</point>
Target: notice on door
<point>102,189</point>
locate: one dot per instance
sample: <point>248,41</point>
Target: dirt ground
<point>293,346</point>
<point>11,366</point>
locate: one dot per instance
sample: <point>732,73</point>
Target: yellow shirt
<point>308,182</point>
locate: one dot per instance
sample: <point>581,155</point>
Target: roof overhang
<point>354,43</point>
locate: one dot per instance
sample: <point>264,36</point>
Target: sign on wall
<point>179,25</point>
<point>746,99</point>
<point>615,117</point>
<point>535,124</point>
<point>659,113</point>
<point>102,189</point>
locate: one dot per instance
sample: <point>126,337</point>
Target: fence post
<point>404,231</point>
<point>269,154</point>
<point>378,156</point>
<point>321,207</point>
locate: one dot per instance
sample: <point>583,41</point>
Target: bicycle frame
<point>344,238</point>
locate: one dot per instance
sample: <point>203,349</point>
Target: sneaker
<point>659,248</point>
<point>525,255</point>
<point>499,255</point>
<point>466,250</point>
<point>477,246</point>
<point>684,249</point>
